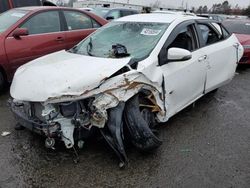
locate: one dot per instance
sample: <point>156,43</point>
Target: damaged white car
<point>132,73</point>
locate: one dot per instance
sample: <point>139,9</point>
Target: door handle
<point>236,45</point>
<point>202,58</point>
<point>59,39</point>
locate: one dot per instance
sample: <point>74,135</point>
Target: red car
<point>31,32</point>
<point>241,28</point>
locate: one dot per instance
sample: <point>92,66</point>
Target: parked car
<point>30,32</point>
<point>9,4</point>
<point>133,72</point>
<point>113,13</point>
<point>241,28</point>
<point>86,9</point>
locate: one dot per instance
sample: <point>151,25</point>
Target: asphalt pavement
<point>205,145</point>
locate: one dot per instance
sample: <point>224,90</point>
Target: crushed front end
<point>72,111</point>
<point>67,121</point>
<point>72,122</point>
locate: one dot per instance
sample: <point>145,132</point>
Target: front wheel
<point>139,123</point>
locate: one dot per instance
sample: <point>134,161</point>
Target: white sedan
<point>134,72</point>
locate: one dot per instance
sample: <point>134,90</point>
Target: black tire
<point>214,91</point>
<point>138,125</point>
<point>2,82</point>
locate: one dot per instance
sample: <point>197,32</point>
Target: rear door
<point>221,51</point>
<point>78,27</point>
<point>44,37</point>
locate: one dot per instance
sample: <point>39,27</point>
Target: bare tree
<point>71,2</point>
<point>156,4</point>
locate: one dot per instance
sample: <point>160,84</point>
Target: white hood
<point>62,73</point>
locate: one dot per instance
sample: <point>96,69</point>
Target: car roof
<point>174,12</point>
<point>156,17</point>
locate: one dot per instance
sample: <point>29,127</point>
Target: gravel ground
<point>205,145</point>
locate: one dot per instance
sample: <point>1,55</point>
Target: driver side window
<point>183,36</point>
<point>186,39</point>
<point>45,22</point>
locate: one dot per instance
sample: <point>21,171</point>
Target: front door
<point>184,80</point>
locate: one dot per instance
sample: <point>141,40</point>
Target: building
<point>134,4</point>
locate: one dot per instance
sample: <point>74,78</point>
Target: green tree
<point>205,9</point>
<point>199,10</point>
<point>225,7</point>
<point>247,11</point>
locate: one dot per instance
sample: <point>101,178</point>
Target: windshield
<point>9,18</point>
<point>237,26</point>
<point>100,12</point>
<point>120,39</point>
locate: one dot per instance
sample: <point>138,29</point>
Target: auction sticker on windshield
<point>150,32</point>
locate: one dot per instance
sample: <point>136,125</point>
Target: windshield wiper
<point>73,50</point>
<point>90,47</point>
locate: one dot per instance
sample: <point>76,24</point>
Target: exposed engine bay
<point>72,122</point>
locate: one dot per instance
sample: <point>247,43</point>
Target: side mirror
<point>178,54</point>
<point>109,18</point>
<point>20,32</point>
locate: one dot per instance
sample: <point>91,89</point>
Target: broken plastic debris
<point>5,133</point>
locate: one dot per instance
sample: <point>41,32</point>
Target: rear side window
<point>95,24</point>
<point>4,6</point>
<point>209,35</point>
<point>77,20</point>
<point>46,22</point>
<point>225,33</point>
